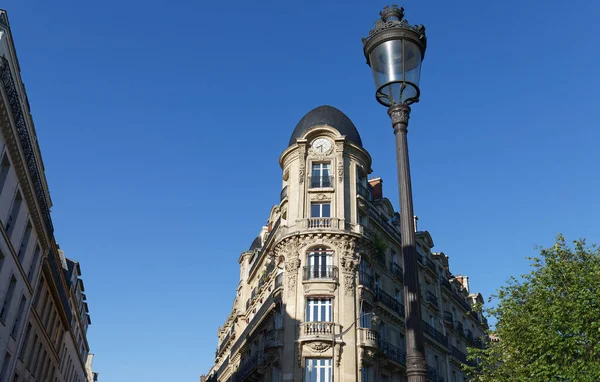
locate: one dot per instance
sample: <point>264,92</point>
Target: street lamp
<point>394,51</point>
<point>374,321</point>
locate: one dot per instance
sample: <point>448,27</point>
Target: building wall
<point>287,309</point>
<point>43,316</point>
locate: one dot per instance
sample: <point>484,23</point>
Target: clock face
<point>321,145</point>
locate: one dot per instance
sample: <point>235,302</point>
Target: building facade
<point>43,315</point>
<point>321,291</point>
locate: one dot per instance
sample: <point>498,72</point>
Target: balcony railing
<point>448,318</point>
<point>446,284</point>
<point>397,271</point>
<point>389,301</point>
<point>317,328</point>
<point>320,272</point>
<point>394,353</point>
<point>432,374</point>
<point>320,181</point>
<point>458,298</point>
<point>366,279</point>
<point>279,280</point>
<point>459,355</point>
<point>430,265</point>
<point>432,299</point>
<point>225,341</point>
<point>380,258</point>
<point>435,334</point>
<point>363,191</point>
<point>316,223</point>
<point>248,366</point>
<point>368,337</point>
<point>274,338</point>
<point>385,224</point>
<point>284,193</point>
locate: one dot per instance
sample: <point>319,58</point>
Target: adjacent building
<point>321,289</point>
<point>43,310</point>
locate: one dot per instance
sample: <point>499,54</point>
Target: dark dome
<point>327,115</point>
<point>255,244</point>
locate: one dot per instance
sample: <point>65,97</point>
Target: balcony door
<point>320,264</point>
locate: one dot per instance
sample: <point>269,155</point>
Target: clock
<point>321,145</point>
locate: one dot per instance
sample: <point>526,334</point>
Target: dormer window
<point>321,175</point>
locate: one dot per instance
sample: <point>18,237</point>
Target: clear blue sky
<point>161,124</point>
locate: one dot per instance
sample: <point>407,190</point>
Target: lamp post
<point>374,320</point>
<point>394,50</point>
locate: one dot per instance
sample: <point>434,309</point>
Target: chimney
<point>377,184</point>
<point>464,281</point>
<point>203,378</point>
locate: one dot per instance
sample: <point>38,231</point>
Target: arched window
<point>320,264</point>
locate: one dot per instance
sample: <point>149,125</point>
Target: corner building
<point>43,310</point>
<point>327,262</point>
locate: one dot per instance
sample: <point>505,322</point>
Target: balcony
<point>435,334</point>
<point>430,265</point>
<point>432,374</point>
<point>448,319</point>
<point>446,284</point>
<point>366,280</point>
<point>432,299</point>
<point>363,191</point>
<point>250,366</point>
<point>320,181</point>
<point>225,341</point>
<point>274,338</point>
<point>469,335</point>
<point>460,356</point>
<point>284,193</point>
<point>385,224</point>
<point>279,281</point>
<point>461,301</point>
<point>322,223</point>
<point>397,271</point>
<point>394,353</point>
<point>320,272</point>
<point>389,301</point>
<point>380,258</point>
<point>459,328</point>
<point>322,330</point>
<point>368,337</point>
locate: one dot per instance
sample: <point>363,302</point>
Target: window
<point>367,375</point>
<point>5,365</point>
<point>365,316</point>
<point>4,167</point>
<point>25,342</point>
<point>398,296</point>
<point>15,328</point>
<point>319,264</point>
<point>320,176</point>
<point>320,210</point>
<point>431,321</point>
<point>318,370</point>
<point>24,242</point>
<point>14,213</point>
<point>8,298</point>
<point>318,309</point>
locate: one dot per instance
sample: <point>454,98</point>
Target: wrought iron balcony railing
<point>284,193</point>
<point>397,271</point>
<point>430,265</point>
<point>366,280</point>
<point>389,301</point>
<point>394,353</point>
<point>274,338</point>
<point>363,191</point>
<point>432,299</point>
<point>320,181</point>
<point>435,334</point>
<point>385,224</point>
<point>446,284</point>
<point>459,355</point>
<point>320,272</point>
<point>249,365</point>
<point>458,298</point>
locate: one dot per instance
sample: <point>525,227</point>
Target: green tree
<point>548,321</point>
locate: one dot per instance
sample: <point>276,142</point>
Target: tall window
<point>321,175</point>
<point>367,374</point>
<point>33,265</point>
<point>5,365</point>
<point>319,264</point>
<point>320,210</point>
<point>8,298</point>
<point>15,328</point>
<point>25,343</point>
<point>365,317</point>
<point>4,167</point>
<point>318,370</point>
<point>318,309</point>
<point>24,242</point>
<point>14,213</point>
<point>398,296</point>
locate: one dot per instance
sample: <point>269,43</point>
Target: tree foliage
<point>548,321</point>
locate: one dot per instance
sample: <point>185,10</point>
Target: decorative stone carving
<point>349,284</point>
<point>320,197</point>
<point>291,270</point>
<point>318,347</point>
<point>338,354</point>
<point>340,170</point>
<point>301,173</point>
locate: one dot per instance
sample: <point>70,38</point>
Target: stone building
<point>326,263</point>
<point>44,314</point>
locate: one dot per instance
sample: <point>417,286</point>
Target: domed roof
<point>327,115</point>
<point>256,244</point>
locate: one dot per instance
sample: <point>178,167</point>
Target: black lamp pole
<point>395,50</point>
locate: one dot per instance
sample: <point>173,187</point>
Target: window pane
<point>315,210</point>
<point>326,212</point>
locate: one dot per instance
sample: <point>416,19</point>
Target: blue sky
<point>161,124</point>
